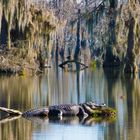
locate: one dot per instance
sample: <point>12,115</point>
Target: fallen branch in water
<point>11,112</point>
<point>73,61</point>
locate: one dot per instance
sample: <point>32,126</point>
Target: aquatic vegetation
<point>93,64</point>
<point>101,115</point>
<point>104,112</point>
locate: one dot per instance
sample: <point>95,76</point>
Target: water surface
<point>58,87</point>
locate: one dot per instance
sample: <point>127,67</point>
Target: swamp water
<point>58,87</point>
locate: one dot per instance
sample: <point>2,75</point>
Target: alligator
<point>88,109</point>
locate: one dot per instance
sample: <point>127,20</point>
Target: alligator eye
<point>88,104</point>
<point>103,104</point>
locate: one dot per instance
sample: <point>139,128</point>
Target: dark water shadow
<point>112,76</point>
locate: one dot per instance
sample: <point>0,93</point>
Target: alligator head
<point>100,110</point>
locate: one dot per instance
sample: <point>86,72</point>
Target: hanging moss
<point>27,26</point>
<point>26,17</point>
<point>127,31</point>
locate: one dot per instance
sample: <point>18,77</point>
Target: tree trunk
<point>112,59</point>
<point>9,37</point>
<point>113,3</point>
<point>3,35</point>
<point>78,43</point>
<point>130,66</point>
<point>86,2</point>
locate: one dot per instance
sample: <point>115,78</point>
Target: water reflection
<point>57,87</point>
<point>16,130</point>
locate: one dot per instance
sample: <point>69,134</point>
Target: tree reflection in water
<point>23,93</point>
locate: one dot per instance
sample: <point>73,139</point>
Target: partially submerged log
<point>11,112</point>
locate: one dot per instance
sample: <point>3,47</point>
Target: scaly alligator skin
<point>83,110</point>
<point>80,110</point>
<point>57,110</point>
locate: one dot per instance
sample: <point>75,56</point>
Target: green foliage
<point>104,112</point>
<point>93,63</point>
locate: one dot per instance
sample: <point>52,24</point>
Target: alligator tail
<point>11,112</point>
